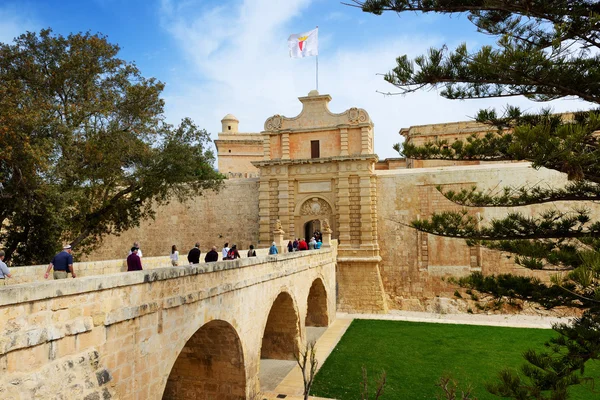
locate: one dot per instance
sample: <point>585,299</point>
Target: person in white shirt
<point>137,246</point>
<point>225,251</point>
<point>174,256</point>
<point>4,272</point>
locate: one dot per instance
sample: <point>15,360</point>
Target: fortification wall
<point>415,265</point>
<point>230,215</point>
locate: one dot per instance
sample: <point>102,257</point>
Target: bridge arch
<point>316,305</point>
<point>210,365</point>
<point>281,335</point>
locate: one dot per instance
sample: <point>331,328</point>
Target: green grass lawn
<point>415,355</point>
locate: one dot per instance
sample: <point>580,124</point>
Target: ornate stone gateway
<point>320,166</point>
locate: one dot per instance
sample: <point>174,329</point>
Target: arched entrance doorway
<point>210,366</point>
<point>279,343</point>
<point>309,216</point>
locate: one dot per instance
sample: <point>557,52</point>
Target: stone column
<point>365,140</point>
<point>264,231</point>
<point>285,146</point>
<point>283,198</point>
<point>344,210</point>
<point>266,146</point>
<point>344,141</point>
<point>366,214</point>
<point>326,232</point>
<point>278,237</point>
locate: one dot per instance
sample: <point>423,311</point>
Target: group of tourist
<point>62,263</point>
<point>300,245</point>
<point>193,257</point>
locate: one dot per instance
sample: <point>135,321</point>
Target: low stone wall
<point>35,273</point>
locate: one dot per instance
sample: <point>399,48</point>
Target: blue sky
<point>230,56</point>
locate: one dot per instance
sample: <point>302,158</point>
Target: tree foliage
<point>543,51</point>
<point>86,150</point>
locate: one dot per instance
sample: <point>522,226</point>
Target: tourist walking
<point>295,244</point>
<point>212,255</point>
<point>233,253</point>
<point>312,243</point>
<point>251,252</point>
<point>273,249</point>
<point>318,245</point>
<point>174,256</point>
<point>134,262</point>
<point>4,271</point>
<point>62,264</point>
<point>302,245</point>
<point>225,250</point>
<point>137,246</point>
<point>290,246</point>
<point>194,254</point>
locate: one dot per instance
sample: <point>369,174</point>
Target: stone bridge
<point>193,332</point>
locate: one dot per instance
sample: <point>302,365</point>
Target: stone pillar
<point>326,232</point>
<point>365,137</point>
<point>344,141</point>
<point>278,237</point>
<point>285,146</point>
<point>264,232</point>
<point>283,199</point>
<point>344,211</point>
<point>368,218</point>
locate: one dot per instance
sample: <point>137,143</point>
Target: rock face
<point>76,376</point>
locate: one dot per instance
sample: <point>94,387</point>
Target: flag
<point>304,44</point>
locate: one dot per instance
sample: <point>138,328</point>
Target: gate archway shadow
<point>279,343</point>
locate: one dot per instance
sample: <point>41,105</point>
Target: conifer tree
<point>545,50</point>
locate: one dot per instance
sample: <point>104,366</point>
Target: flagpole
<point>317,73</point>
<point>317,60</point>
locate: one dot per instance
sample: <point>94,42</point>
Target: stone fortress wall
<point>382,262</point>
<point>413,264</point>
<point>230,215</point>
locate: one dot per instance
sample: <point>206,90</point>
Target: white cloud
<point>14,22</point>
<point>337,16</point>
<point>240,65</point>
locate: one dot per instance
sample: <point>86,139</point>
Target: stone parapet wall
<point>35,273</point>
<point>118,335</point>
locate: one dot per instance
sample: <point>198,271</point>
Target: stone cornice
<point>363,157</point>
<point>243,141</point>
<point>317,129</point>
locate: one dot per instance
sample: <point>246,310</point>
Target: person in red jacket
<point>134,262</point>
<point>302,245</point>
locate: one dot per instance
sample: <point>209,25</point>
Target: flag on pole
<point>304,44</point>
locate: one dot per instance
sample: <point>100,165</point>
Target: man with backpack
<point>233,253</point>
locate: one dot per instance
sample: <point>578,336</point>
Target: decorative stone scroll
<point>278,228</point>
<point>356,116</point>
<point>325,226</point>
<point>315,206</point>
<point>274,123</point>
